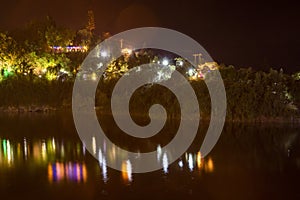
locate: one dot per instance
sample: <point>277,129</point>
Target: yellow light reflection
<point>9,152</point>
<point>74,172</point>
<point>44,151</point>
<point>94,145</point>
<point>84,173</point>
<point>50,173</point>
<point>127,171</point>
<point>210,165</point>
<point>199,160</point>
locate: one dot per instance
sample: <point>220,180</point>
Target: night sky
<point>256,34</point>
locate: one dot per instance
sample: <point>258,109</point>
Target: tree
<point>9,57</point>
<point>91,26</point>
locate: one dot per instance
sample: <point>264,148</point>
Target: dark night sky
<point>254,33</point>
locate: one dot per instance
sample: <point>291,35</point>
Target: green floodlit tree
<point>9,58</point>
<point>47,64</point>
<point>33,44</point>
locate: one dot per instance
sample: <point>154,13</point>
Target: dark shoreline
<point>45,109</point>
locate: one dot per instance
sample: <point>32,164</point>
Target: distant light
<point>126,51</point>
<point>104,54</point>
<point>94,77</point>
<point>180,63</point>
<point>165,62</point>
<point>191,72</point>
<point>100,65</point>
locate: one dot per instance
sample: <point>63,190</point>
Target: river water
<point>42,157</point>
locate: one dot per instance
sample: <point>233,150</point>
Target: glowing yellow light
<point>84,173</point>
<point>44,150</point>
<point>19,150</point>
<point>85,48</point>
<point>210,165</point>
<point>9,152</point>
<point>94,145</point>
<point>94,76</point>
<point>50,173</point>
<point>53,144</point>
<point>126,51</point>
<point>199,160</point>
<point>127,171</point>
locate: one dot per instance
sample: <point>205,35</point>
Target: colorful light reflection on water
<point>74,172</point>
<point>58,158</point>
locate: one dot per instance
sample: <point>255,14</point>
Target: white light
<point>100,65</point>
<point>191,72</point>
<point>104,170</point>
<point>158,152</point>
<point>9,152</point>
<point>104,54</point>
<point>165,62</point>
<point>100,157</point>
<point>129,170</point>
<point>180,163</point>
<point>191,163</point>
<point>165,163</point>
<point>25,148</point>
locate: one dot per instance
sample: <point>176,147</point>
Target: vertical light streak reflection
<point>199,160</point>
<point>127,172</point>
<point>104,170</point>
<point>191,162</point>
<point>9,152</point>
<point>25,149</point>
<point>94,145</point>
<point>158,152</point>
<point>210,165</point>
<point>165,163</point>
<point>44,150</point>
<point>73,172</point>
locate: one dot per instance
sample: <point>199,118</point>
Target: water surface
<point>42,157</point>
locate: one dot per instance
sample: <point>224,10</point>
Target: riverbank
<point>44,109</point>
